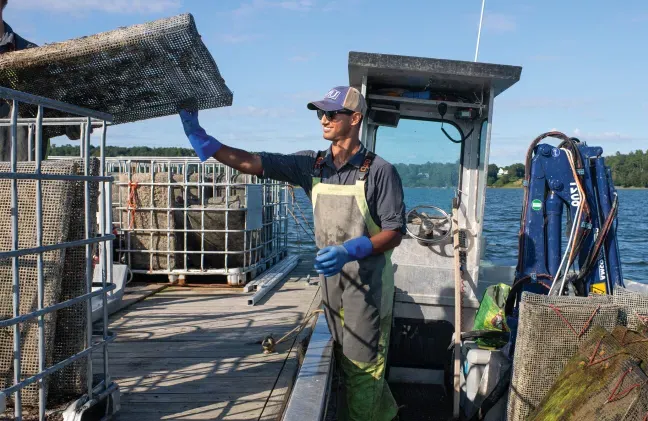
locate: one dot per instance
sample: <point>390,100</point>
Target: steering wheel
<point>445,215</point>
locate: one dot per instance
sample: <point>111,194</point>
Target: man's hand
<point>204,145</point>
<point>331,259</point>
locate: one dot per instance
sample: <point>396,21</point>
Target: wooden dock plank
<point>195,353</point>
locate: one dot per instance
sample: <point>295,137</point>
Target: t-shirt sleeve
<point>294,168</point>
<point>390,203</point>
<point>22,43</point>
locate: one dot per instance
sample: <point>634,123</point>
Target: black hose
<point>460,140</point>
<point>590,260</point>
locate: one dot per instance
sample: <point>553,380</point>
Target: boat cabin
<point>460,95</point>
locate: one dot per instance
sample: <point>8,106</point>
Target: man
<point>359,219</point>
<point>10,41</point>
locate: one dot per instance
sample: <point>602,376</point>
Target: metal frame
<point>85,119</point>
<point>271,241</point>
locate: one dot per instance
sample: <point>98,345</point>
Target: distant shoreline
<point>519,187</point>
<point>497,187</point>
<point>515,187</point>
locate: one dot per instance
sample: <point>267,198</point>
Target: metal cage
<point>47,258</point>
<point>180,217</point>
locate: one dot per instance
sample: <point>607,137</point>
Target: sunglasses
<point>330,115</point>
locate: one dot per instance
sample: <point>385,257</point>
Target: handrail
<point>53,104</point>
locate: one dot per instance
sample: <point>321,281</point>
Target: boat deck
<point>195,353</point>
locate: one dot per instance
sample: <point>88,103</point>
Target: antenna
<point>481,19</point>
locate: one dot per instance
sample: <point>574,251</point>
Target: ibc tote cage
<point>37,172</point>
<point>187,217</point>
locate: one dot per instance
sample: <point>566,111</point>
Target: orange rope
<point>131,205</point>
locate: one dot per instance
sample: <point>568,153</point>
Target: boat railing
<point>311,390</point>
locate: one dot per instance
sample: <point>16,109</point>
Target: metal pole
<point>85,143</point>
<point>39,242</point>
<point>457,310</point>
<point>481,19</point>
<point>228,175</point>
<point>104,251</point>
<point>152,241</point>
<point>14,263</point>
<point>201,195</point>
<point>185,192</point>
<point>169,216</point>
<point>30,140</point>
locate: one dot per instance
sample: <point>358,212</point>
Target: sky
<point>583,64</point>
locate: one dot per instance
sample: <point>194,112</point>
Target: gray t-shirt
<point>384,189</point>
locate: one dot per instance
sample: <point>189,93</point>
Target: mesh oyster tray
<point>134,73</point>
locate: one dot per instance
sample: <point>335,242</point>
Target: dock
<point>196,354</point>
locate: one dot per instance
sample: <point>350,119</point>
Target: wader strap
<point>364,168</point>
<point>317,167</point>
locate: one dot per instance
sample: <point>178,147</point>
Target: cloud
<point>256,112</point>
<point>604,136</point>
<point>340,5</point>
<point>507,148</point>
<point>305,95</point>
<point>237,38</point>
<point>542,57</point>
<point>639,18</point>
<point>258,5</point>
<point>499,22</point>
<point>302,58</point>
<point>109,6</point>
<point>544,102</point>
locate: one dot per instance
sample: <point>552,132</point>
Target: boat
<point>257,346</point>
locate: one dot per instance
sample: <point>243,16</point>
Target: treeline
<point>430,174</point>
<point>628,170</point>
<point>69,150</point>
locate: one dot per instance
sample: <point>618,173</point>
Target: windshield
<point>426,160</point>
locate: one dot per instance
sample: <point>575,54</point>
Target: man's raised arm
<point>240,160</point>
<point>207,146</point>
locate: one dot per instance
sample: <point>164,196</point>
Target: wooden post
<point>458,309</point>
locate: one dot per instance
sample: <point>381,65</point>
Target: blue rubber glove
<point>330,260</point>
<point>204,145</point>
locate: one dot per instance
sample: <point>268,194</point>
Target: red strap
<point>132,202</point>
<point>592,361</point>
<point>589,321</point>
<point>614,396</point>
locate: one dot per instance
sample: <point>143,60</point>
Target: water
<point>502,222</point>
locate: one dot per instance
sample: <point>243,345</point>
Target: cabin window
<point>427,162</point>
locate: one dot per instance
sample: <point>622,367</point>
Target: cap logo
<point>333,94</point>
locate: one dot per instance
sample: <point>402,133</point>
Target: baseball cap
<point>341,97</point>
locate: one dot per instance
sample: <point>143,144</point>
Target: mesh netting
<point>636,343</point>
<point>214,218</point>
<point>602,381</point>
<point>134,73</point>
<point>142,202</point>
<point>71,326</point>
<point>634,307</point>
<point>56,206</point>
<point>549,332</point>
